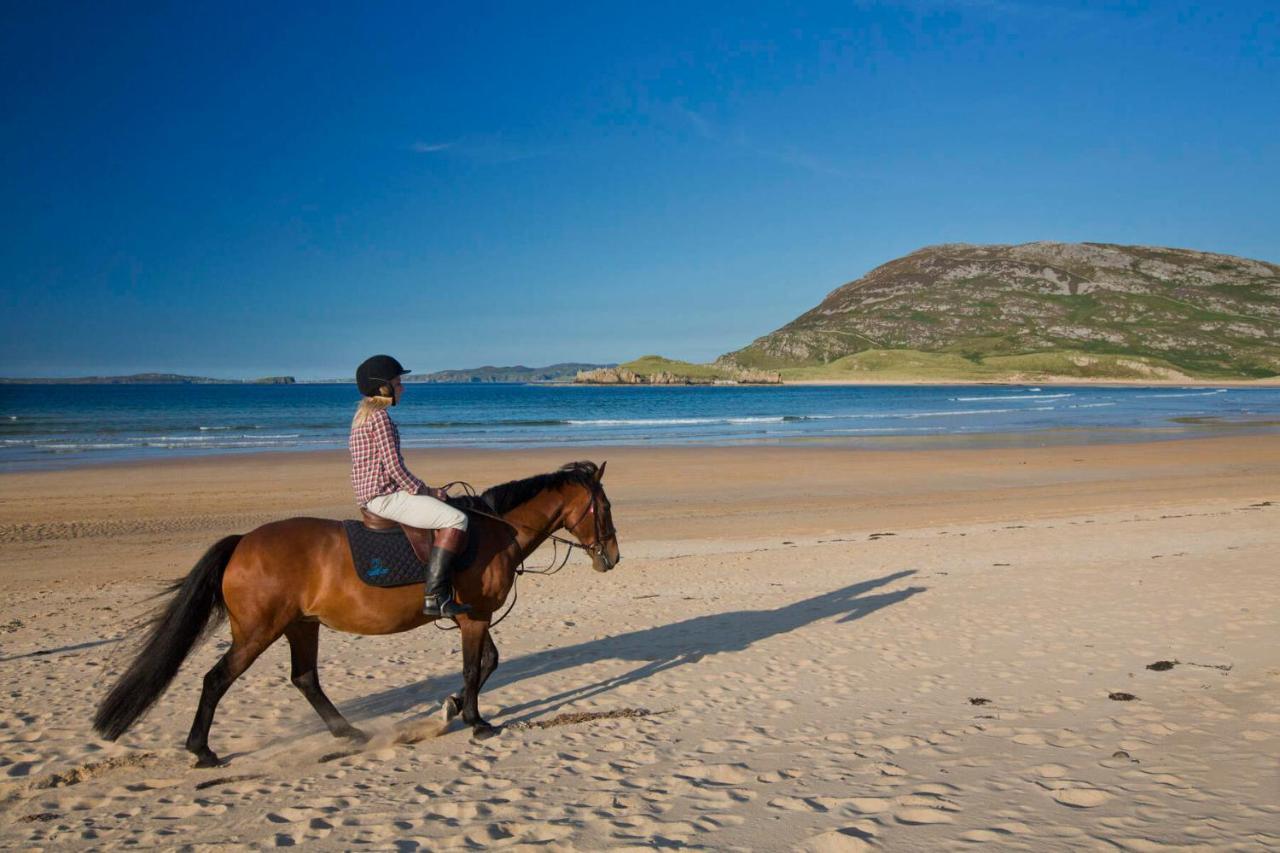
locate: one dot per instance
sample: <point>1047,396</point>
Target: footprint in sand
<point>713,746</point>
<point>896,743</point>
<point>871,805</point>
<point>847,840</point>
<point>795,804</point>
<point>921,815</point>
<point>1081,798</point>
<point>1050,771</point>
<point>716,774</point>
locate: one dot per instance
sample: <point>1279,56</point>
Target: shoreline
<point>1061,436</point>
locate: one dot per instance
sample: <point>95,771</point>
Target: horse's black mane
<point>508,496</point>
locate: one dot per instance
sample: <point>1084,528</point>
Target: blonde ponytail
<point>367,407</point>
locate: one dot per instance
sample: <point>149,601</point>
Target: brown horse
<point>290,577</point>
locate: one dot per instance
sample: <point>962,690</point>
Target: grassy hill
<point>1037,310</point>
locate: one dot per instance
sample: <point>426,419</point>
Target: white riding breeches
<point>417,511</point>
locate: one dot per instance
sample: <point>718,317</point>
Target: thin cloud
<point>488,149</point>
<point>430,147</point>
<point>696,120</point>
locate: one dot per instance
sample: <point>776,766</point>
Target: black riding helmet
<point>376,371</point>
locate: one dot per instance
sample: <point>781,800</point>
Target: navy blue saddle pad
<point>383,557</point>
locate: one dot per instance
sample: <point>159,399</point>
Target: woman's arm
<point>386,438</point>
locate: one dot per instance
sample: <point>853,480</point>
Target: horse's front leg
<point>475,632</point>
<point>488,663</point>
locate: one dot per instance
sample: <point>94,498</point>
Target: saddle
<point>387,553</point>
<point>420,539</point>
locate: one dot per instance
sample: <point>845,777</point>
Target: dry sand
<point>840,648</point>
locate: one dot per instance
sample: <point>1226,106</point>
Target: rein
<point>557,563</point>
<point>595,549</point>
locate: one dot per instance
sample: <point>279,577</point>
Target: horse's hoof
<point>352,734</point>
<point>207,759</point>
<point>452,708</point>
<point>484,731</point>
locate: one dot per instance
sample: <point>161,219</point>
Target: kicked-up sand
<point>819,648</point>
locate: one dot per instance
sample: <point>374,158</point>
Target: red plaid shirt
<point>377,468</point>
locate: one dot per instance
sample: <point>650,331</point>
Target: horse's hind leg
<point>304,642</point>
<point>239,657</point>
<point>488,663</point>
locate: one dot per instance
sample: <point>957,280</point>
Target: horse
<point>290,577</point>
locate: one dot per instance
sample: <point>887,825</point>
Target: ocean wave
<point>407,425</point>
<point>770,419</point>
<point>1187,394</point>
<point>964,413</point>
<point>92,445</point>
<point>1089,405</point>
<point>232,444</point>
<point>893,429</point>
<point>1012,397</point>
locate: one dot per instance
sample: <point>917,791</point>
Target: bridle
<point>595,549</point>
<point>601,537</point>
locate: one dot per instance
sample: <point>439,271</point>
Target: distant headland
<point>149,379</point>
<point>563,372</point>
<point>1035,312</point>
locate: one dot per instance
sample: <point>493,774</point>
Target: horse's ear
<point>600,470</point>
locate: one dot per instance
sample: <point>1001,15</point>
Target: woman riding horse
<point>289,577</point>
<point>386,488</point>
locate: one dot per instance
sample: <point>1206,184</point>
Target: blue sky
<point>240,190</point>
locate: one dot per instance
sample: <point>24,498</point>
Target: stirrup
<point>432,606</point>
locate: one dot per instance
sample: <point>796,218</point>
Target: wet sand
<point>836,648</point>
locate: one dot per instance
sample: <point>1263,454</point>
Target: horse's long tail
<point>174,631</point>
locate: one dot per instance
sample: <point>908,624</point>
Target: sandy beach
<point>804,647</point>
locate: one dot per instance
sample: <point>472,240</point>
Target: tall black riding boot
<point>439,597</point>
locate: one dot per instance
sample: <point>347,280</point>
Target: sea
<point>59,426</point>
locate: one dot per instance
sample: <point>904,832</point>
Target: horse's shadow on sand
<point>657,649</point>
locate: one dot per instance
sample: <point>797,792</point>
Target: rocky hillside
<point>1068,308</point>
